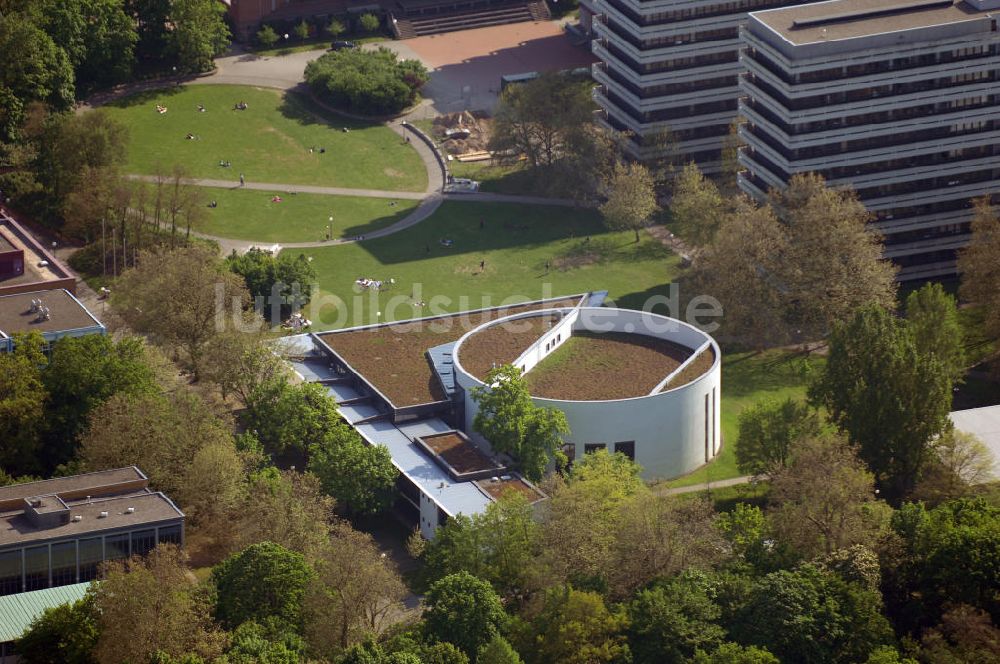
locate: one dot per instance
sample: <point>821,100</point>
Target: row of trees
<point>270,34</point>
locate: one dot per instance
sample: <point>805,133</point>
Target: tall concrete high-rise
<point>668,72</point>
<point>898,99</point>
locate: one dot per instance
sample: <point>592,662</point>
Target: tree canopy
<point>464,611</point>
<point>370,82</point>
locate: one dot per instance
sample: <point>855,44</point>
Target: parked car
<point>342,45</point>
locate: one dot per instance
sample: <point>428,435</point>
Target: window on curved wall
<point>116,547</point>
<point>63,563</point>
<point>707,449</point>
<point>36,568</point>
<point>590,448</point>
<point>91,552</point>
<point>10,572</point>
<point>169,535</point>
<point>715,435</point>
<point>627,448</point>
<point>143,541</point>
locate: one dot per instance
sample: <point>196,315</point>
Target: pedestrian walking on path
<point>243,182</point>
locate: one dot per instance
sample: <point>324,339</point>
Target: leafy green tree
<point>361,477</point>
<point>748,534</point>
<point>302,30</point>
<point>960,462</point>
<point>514,425</point>
<point>173,297</point>
<point>888,655</point>
<point>672,620</point>
<point>568,626</point>
<point>767,430</point>
<point>890,399</point>
<point>439,653</point>
<point>284,279</point>
<point>23,399</point>
<point>84,372</point>
<point>631,198</point>
<point>696,206</point>
<point>932,316</point>
<point>499,545</point>
<point>369,22</point>
<point>263,582</point>
<point>977,263</point>
<point>947,556</point>
<point>464,611</point>
<point>734,653</point>
<point>855,564</point>
<point>370,82</point>
<point>253,644</point>
<point>498,651</point>
<point>65,634</point>
<point>267,37</point>
<point>35,68</point>
<point>152,18</point>
<point>291,417</point>
<point>584,516</point>
<point>825,499</point>
<point>150,605</point>
<point>199,34</point>
<point>808,615</point>
<point>244,364</point>
<point>98,36</point>
<point>335,28</point>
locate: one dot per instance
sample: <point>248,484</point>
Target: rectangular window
<point>116,547</point>
<point>36,568</point>
<point>590,448</point>
<point>91,555</point>
<point>10,572</point>
<point>707,457</point>
<point>627,448</point>
<point>169,535</point>
<point>63,563</point>
<point>143,541</point>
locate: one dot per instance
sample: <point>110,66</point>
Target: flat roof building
<point>57,532</point>
<point>407,386</point>
<point>897,99</point>
<point>52,313</point>
<point>26,264</point>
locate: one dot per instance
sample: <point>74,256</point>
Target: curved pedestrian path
<point>285,73</point>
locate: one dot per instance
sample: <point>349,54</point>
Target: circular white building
<point>628,381</point>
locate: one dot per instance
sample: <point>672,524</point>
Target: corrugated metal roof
<point>17,612</point>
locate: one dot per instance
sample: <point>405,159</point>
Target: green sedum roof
<point>17,612</point>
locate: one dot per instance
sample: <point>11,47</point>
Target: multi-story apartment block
<point>669,68</point>
<point>898,99</point>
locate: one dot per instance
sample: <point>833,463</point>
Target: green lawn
<point>515,244</point>
<point>746,379</point>
<point>268,142</point>
<point>248,214</point>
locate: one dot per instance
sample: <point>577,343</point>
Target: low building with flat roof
<point>643,385</point>
<point>897,99</point>
<point>26,264</point>
<point>58,532</point>
<point>52,313</point>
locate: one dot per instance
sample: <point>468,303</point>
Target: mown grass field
<point>513,246</point>
<point>249,214</point>
<point>268,142</point>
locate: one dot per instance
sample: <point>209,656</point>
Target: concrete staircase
<point>419,23</point>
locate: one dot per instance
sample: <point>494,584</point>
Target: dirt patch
<point>502,344</point>
<point>393,173</point>
<point>594,367</point>
<point>460,454</point>
<point>463,133</point>
<point>393,357</point>
<point>577,260</point>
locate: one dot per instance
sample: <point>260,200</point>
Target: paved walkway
<point>299,188</point>
<point>705,486</point>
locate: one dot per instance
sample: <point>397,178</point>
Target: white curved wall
<point>675,431</point>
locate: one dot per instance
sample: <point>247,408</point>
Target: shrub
<point>267,37</point>
<point>369,22</point>
<point>302,30</point>
<point>335,28</point>
<point>368,82</point>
